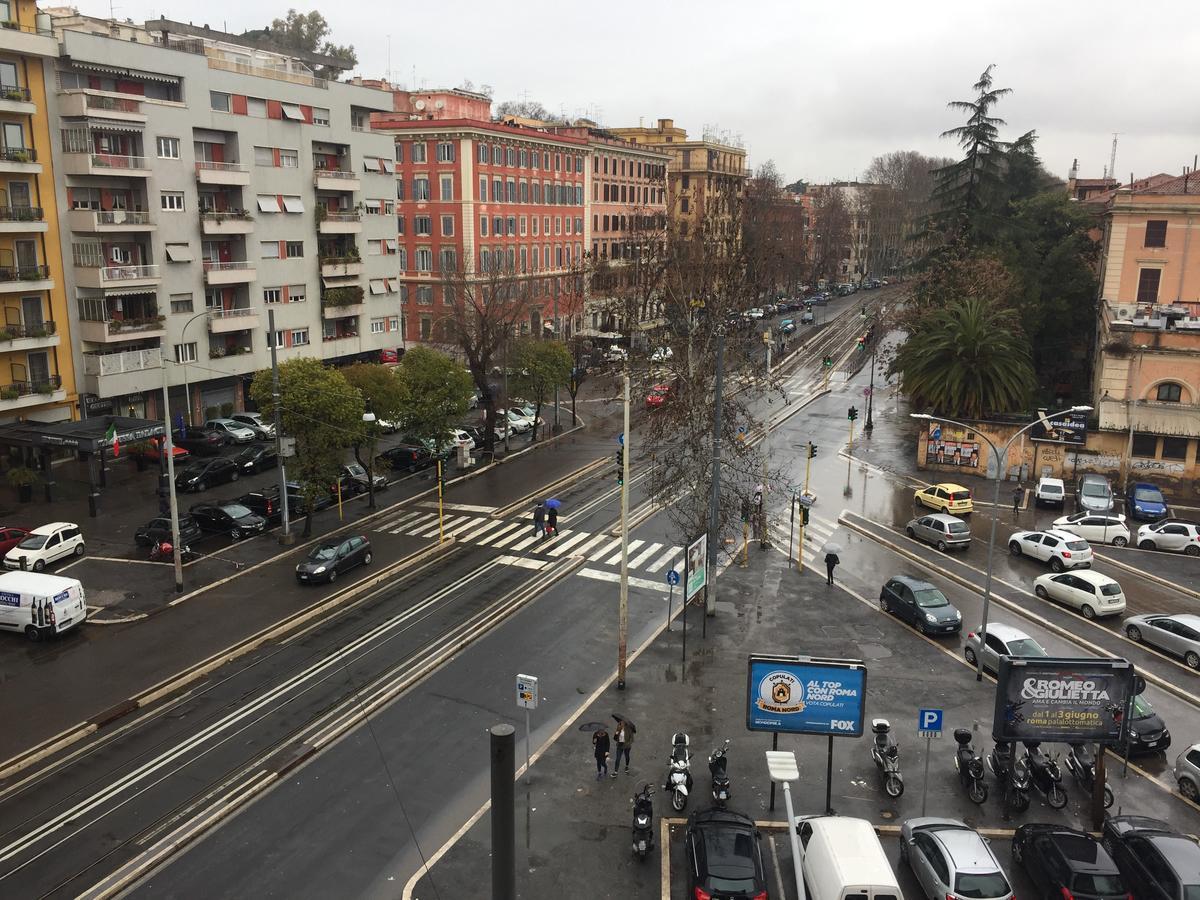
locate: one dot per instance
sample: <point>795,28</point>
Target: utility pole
<point>623,616</point>
<point>714,503</point>
<point>810,452</point>
<point>763,540</point>
<point>286,536</point>
<point>851,414</point>
<point>557,427</point>
<point>168,447</point>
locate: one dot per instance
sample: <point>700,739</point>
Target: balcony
<point>240,272</point>
<point>27,40</point>
<point>1152,416</point>
<point>115,330</point>
<point>20,279</point>
<point>231,221</point>
<point>15,338</point>
<point>223,321</point>
<point>339,302</point>
<point>105,164</point>
<point>336,180</point>
<point>109,220</point>
<point>222,173</point>
<point>83,103</point>
<point>110,277</point>
<point>338,222</point>
<point>19,160</point>
<point>16,100</point>
<point>341,266</point>
<point>117,374</point>
<point>21,219</point>
<point>20,394</point>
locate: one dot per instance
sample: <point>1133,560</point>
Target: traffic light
<point>862,342</point>
<point>621,466</point>
<point>812,450</point>
<point>804,515</point>
<point>827,362</point>
<point>852,413</point>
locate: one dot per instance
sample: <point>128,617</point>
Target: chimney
<point>1074,173</point>
<point>666,124</point>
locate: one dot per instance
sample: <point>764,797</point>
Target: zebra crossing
<point>816,533</point>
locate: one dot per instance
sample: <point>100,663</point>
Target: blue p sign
<point>929,720</point>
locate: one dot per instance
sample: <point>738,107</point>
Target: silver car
<point>1002,640</point>
<point>950,859</point>
<point>1093,493</point>
<point>1187,772</point>
<point>944,531</point>
<point>1178,634</point>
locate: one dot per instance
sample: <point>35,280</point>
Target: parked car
<point>10,536</point>
<point>256,459</point>
<point>920,604</point>
<point>329,559</point>
<point>951,859</point>
<point>1178,634</point>
<point>267,503</point>
<point>1089,592</point>
<point>237,432</point>
<point>200,441</point>
<point>1061,549</point>
<point>1094,494</point>
<point>151,450</point>
<point>807,317</point>
<point>528,409</point>
<point>1067,862</point>
<point>1050,492</point>
<point>1096,528</point>
<point>44,545</point>
<point>228,517</point>
<point>943,531</point>
<point>461,436</point>
<point>1146,729</point>
<point>946,497</point>
<point>518,422</point>
<point>659,394</point>
<point>724,856</point>
<point>1187,772</point>
<point>755,313</point>
<point>616,354</point>
<point>786,326</point>
<point>475,431</point>
<point>159,529</point>
<point>1146,502</point>
<point>263,430</point>
<point>354,480</point>
<point>1164,864</point>
<point>1001,640</point>
<point>410,456</point>
<point>1170,535</point>
<point>201,475</point>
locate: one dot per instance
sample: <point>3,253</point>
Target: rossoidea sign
<point>806,695</point>
<point>1061,700</point>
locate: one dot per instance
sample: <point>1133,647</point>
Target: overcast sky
<point>821,88</point>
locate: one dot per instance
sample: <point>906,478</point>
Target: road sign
<point>527,691</point>
<point>621,439</point>
<point>929,723</point>
<point>807,499</point>
<point>672,577</point>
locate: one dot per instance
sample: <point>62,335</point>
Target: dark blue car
<point>1146,502</point>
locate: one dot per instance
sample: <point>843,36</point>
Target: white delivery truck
<point>842,859</point>
<point>40,605</point>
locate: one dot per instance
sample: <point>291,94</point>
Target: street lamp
<point>368,418</point>
<point>187,396</point>
<point>782,766</point>
<point>1001,458</point>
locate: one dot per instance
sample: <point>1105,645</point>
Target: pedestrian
<point>539,520</point>
<point>1018,496</point>
<point>831,561</point>
<point>624,738</point>
<point>552,521</point>
<point>600,747</point>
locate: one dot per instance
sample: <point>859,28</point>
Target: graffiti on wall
<point>947,446</point>
<point>1157,465</point>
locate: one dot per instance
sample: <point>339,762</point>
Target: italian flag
<point>111,435</point>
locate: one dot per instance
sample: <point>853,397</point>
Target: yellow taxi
<point>946,497</point>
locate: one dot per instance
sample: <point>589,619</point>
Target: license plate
<point>64,622</point>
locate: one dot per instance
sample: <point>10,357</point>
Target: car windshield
<point>1077,545</point>
<point>960,495</point>
<point>1110,590</point>
<point>34,542</point>
<point>930,598</point>
<point>991,884</point>
<point>323,552</point>
<point>1097,884</point>
<point>959,528</point>
<point>236,510</point>
<point>1148,495</point>
<point>1140,708</point>
<point>1095,489</point>
<point>1052,489</point>
<point>1025,647</point>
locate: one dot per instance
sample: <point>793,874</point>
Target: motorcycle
<point>1013,775</point>
<point>1082,763</point>
<point>643,816</point>
<point>969,766</point>
<point>886,754</point>
<point>718,760</point>
<point>163,551</point>
<point>679,771</point>
<point>1045,774</point>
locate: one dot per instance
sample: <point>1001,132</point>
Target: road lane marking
<point>476,536</point>
<point>604,551</point>
<point>468,522</point>
<point>596,539</point>
<point>671,554</point>
<point>527,562</point>
<point>616,557</point>
<point>437,527</point>
<point>615,578</point>
<point>505,535</point>
<point>536,536</point>
<point>637,561</point>
<point>460,507</point>
<point>563,546</point>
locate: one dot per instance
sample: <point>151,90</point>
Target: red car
<point>153,452</point>
<point>659,394</point>
<point>10,536</point>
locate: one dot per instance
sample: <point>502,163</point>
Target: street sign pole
<point>527,699</point>
<point>672,580</point>
<point>929,726</point>
<point>925,786</point>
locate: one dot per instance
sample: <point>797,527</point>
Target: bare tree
<point>898,203</point>
<point>831,237</point>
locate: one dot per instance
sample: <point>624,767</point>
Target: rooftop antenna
<point>389,58</point>
<point>1112,159</point>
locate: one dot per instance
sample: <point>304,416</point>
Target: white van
<point>842,859</point>
<point>40,605</point>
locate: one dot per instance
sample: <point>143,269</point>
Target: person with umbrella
<point>623,735</point>
<point>552,506</point>
<point>831,561</point>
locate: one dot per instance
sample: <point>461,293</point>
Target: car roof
<point>911,581</point>
<point>965,848</point>
<point>715,816</point>
<point>51,527</point>
<point>1046,480</point>
<point>1064,535</point>
<point>1085,853</point>
<point>949,486</point>
<point>1093,577</point>
<point>1007,633</point>
<point>941,517</point>
<point>1092,476</point>
<point>1186,618</point>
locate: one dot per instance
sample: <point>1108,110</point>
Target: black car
<point>160,530</point>
<point>1057,857</point>
<point>229,518</point>
<point>199,476</point>
<point>353,480</point>
<point>266,503</point>
<point>329,559</point>
<point>1147,731</point>
<point>406,457</point>
<point>201,441</point>
<point>723,855</point>
<point>1164,864</point>
<point>258,458</point>
<point>920,604</point>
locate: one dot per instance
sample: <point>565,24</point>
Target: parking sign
<point>527,691</point>
<point>929,723</point>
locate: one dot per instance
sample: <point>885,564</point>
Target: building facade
<point>37,374</point>
<point>205,183</point>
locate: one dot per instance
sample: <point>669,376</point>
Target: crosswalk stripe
<point>460,507</point>
<point>412,526</point>
<point>602,575</point>
<point>616,557</point>
<point>562,546</point>
<point>401,519</point>
<point>525,543</point>
<point>467,522</point>
<point>509,532</point>
<point>644,555</point>
<point>478,533</point>
<point>604,551</point>
<point>664,559</point>
<point>434,528</point>
<point>584,548</point>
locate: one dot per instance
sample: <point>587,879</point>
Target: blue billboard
<point>806,695</point>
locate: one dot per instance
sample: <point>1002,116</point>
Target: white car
<point>517,422</point>
<point>755,313</point>
<point>1089,592</point>
<point>243,434</point>
<point>1061,549</point>
<point>662,354</point>
<point>616,354</point>
<point>1181,537</point>
<point>458,436</point>
<point>45,545</point>
<point>1050,491</point>
<point>255,422</point>
<point>1096,528</point>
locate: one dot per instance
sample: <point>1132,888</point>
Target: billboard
<point>697,573</point>
<point>1070,428</point>
<point>806,695</point>
<point>1061,700</point>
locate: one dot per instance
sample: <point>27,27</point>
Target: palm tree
<point>968,358</point>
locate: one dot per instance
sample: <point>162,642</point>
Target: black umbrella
<point>629,722</point>
<point>592,726</point>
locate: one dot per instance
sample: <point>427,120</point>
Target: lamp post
<point>187,392</point>
<point>1001,458</point>
<point>783,769</point>
<point>874,320</point>
<point>368,418</point>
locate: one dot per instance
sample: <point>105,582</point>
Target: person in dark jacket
<point>539,520</point>
<point>552,521</point>
<point>831,562</point>
<point>600,746</point>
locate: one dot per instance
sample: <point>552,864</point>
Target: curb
<point>1149,577</point>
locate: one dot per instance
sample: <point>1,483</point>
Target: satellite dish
<point>441,104</point>
<point>420,104</point>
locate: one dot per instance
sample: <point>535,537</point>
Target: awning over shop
<point>86,434</point>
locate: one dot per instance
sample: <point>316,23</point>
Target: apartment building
<point>36,369</point>
<point>481,203</point>
<point>206,182</point>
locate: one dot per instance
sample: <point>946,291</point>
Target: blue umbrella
<point>552,503</point>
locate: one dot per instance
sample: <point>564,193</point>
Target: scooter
<point>643,816</point>
<point>886,753</point>
<point>1082,763</point>
<point>1012,774</point>
<point>717,762</point>
<point>969,766</point>
<point>679,771</point>
<point>165,550</point>
<point>1045,774</point>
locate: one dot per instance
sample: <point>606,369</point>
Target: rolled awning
<point>378,287</point>
<point>340,281</point>
<point>180,253</point>
<point>117,70</point>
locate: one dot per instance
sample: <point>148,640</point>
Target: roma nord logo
<point>780,692</point>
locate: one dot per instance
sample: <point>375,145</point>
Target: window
<point>684,206</point>
<point>293,204</point>
<point>421,188</point>
<point>483,153</point>
<point>299,337</point>
<point>275,338</point>
<point>537,192</point>
<point>1156,233</point>
<point>168,148</point>
<point>511,156</point>
<point>424,294</point>
<point>292,111</point>
<point>524,225</point>
<point>483,189</point>
<point>295,249</point>
<point>218,101</point>
<point>447,183</point>
<point>399,189</point>
<point>179,253</point>
<point>510,191</point>
<point>185,353</point>
<point>1174,447</point>
<point>320,116</point>
<point>511,226</point>
<point>389,247</point>
<point>426,328</point>
<point>424,259</point>
<point>448,259</point>
<point>497,155</point>
<point>445,151</point>
<point>289,159</point>
<point>374,248</point>
<point>402,258</point>
<point>171,201</point>
<point>393,323</point>
<point>498,227</point>
<point>399,224</point>
<point>268,203</point>
<point>181,303</point>
<point>558,224</point>
<point>447,226</point>
<point>422,226</point>
<point>1145,445</point>
<point>497,190</point>
<point>1147,291</point>
<point>419,151</point>
<point>272,295</point>
<point>579,224</point>
<point>264,156</point>
<point>536,220</point>
<point>377,325</point>
<point>524,192</point>
<point>483,226</point>
<point>1169,392</point>
<point>372,207</point>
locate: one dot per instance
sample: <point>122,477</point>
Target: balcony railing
<point>340,217</point>
<point>333,173</point>
<point>19,389</point>
<point>214,266</point>
<point>21,214</point>
<point>24,273</point>
<point>220,215</point>
<point>122,217</point>
<point>18,154</point>
<point>229,65</point>
<point>111,161</point>
<point>116,363</point>
<point>13,92</point>
<point>238,312</point>
<point>206,166</point>
<point>113,104</point>
<point>131,324</point>
<point>15,332</point>
<point>127,273</point>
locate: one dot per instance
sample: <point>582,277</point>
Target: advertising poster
<point>805,695</point>
<point>697,573</point>
<point>1068,429</point>
<point>1061,700</point>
